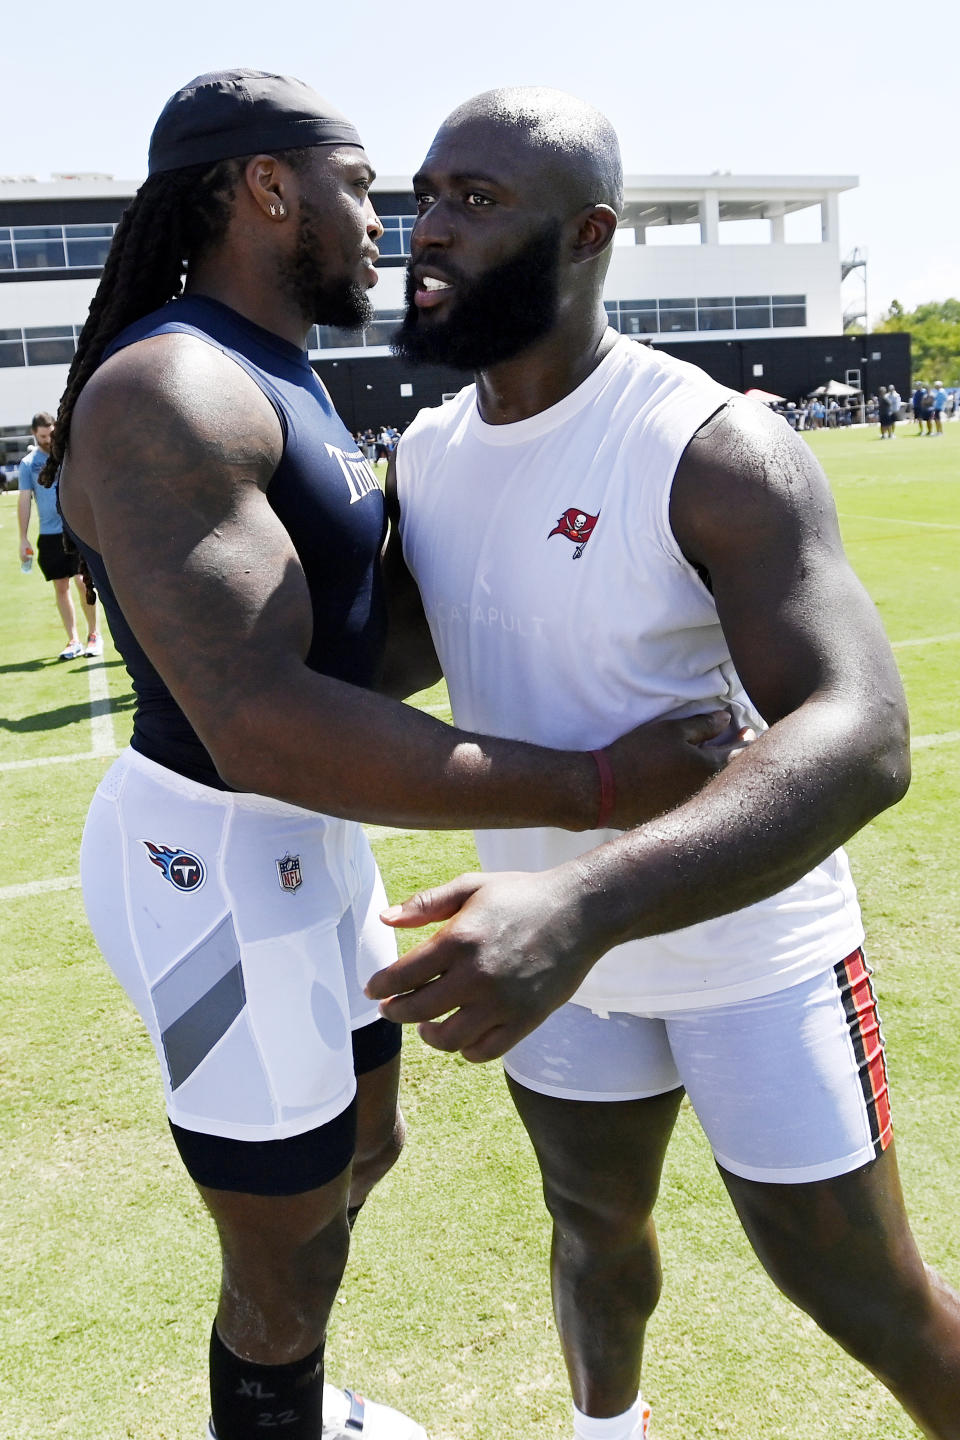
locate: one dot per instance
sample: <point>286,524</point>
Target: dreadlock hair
<point>173,219</point>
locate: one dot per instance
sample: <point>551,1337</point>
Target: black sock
<point>248,1399</point>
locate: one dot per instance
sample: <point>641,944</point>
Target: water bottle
<point>27,565</point>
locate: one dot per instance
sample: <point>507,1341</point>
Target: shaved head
<point>518,200</point>
<point>574,143</point>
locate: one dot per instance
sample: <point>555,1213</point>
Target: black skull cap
<point>243,112</point>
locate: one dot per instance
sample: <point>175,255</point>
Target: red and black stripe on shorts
<point>863,1022</point>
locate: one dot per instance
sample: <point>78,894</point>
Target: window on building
<point>379,332</point>
<point>752,312</point>
<point>789,310</point>
<point>330,337</point>
<point>50,344</point>
<point>711,312</point>
<point>39,247</point>
<point>87,245</point>
<point>633,317</point>
<point>11,349</point>
<point>55,247</point>
<point>383,327</point>
<point>677,315</point>
<point>13,446</point>
<point>715,312</point>
<point>395,239</point>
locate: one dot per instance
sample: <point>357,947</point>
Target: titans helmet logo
<point>185,872</point>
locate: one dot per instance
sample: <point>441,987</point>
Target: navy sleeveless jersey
<point>325,495</point>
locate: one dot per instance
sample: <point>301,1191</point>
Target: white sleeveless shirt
<point>564,613</point>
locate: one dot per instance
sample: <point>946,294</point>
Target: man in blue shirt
<point>56,563</point>
<point>939,405</point>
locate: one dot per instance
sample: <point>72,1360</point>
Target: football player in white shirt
<point>715,949</point>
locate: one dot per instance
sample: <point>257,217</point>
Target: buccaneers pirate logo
<point>577,526</point>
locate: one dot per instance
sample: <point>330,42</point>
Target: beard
<point>494,317</point>
<point>321,298</point>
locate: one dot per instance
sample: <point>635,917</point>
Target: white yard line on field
<point>101,711</point>
<point>927,742</point>
<point>41,760</point>
<point>926,640</point>
<point>39,887</point>
<point>892,520</point>
<point>101,727</point>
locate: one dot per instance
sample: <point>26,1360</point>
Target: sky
<point>692,88</point>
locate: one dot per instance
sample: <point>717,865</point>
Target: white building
<point>759,257</point>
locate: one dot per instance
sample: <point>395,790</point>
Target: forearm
<point>784,805</point>
<point>23,514</point>
<point>344,751</point>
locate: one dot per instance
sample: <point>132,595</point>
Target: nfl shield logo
<point>288,872</point>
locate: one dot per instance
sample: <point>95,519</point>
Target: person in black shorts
<point>56,563</point>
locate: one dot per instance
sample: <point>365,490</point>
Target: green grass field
<point>109,1272</point>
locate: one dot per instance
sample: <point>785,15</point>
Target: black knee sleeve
<point>247,1400</point>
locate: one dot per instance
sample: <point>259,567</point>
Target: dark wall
<point>794,366</point>
<point>367,391</point>
<point>67,211</point>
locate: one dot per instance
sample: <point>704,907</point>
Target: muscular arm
<point>752,510</point>
<point>411,661</point>
<point>172,447</point>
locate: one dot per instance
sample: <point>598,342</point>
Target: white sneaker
<point>72,652</point>
<point>348,1416</point>
<point>94,645</point>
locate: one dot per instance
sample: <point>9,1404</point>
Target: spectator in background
<point>884,412</point>
<point>939,405</point>
<point>926,412</point>
<point>916,405</point>
<point>894,403</point>
<point>56,563</point>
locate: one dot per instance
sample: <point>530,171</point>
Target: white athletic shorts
<point>789,1087</point>
<point>243,930</point>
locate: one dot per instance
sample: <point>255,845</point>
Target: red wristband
<point>608,793</point>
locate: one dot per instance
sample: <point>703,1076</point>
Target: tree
<point>935,338</point>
